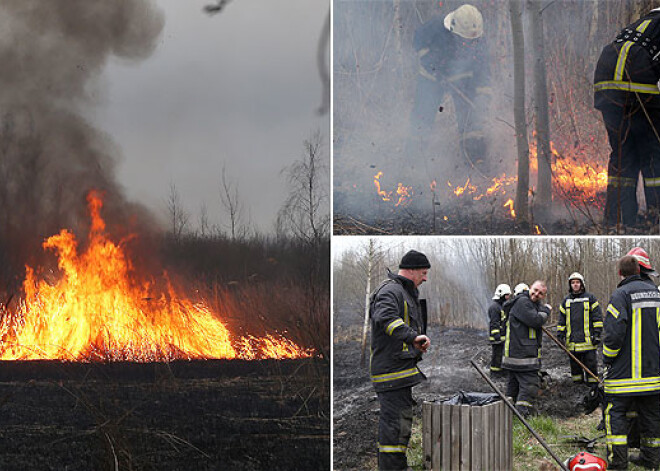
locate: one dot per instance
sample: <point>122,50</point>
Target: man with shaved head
<point>522,345</point>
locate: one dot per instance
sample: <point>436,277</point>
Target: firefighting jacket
<point>522,344</point>
<point>630,64</point>
<point>397,317</point>
<point>445,56</point>
<point>497,322</point>
<point>580,321</point>
<point>631,344</point>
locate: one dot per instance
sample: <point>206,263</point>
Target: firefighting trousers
<point>523,387</point>
<point>635,148</point>
<point>394,428</point>
<point>496,357</point>
<point>429,96</point>
<point>588,359</point>
<point>617,426</point>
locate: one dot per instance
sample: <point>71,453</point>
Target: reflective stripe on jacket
<point>631,340</point>
<point>522,345</point>
<point>580,319</point>
<point>397,317</point>
<point>496,322</point>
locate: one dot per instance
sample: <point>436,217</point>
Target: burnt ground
<point>200,415</point>
<point>448,370</point>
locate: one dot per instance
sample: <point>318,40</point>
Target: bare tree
<point>306,213</point>
<point>522,210</point>
<point>178,217</point>
<point>204,228</point>
<point>230,200</point>
<point>544,155</point>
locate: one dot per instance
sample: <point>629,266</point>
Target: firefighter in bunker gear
<point>497,323</point>
<point>631,353</point>
<point>398,339</point>
<point>453,61</point>
<point>522,345</point>
<point>627,95</point>
<point>579,328</point>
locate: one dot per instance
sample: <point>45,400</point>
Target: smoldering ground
<point>375,72</point>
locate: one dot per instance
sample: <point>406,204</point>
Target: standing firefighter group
<point>629,332</point>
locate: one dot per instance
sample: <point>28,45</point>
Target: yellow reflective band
<point>617,182</point>
<point>650,442</point>
<point>495,331</point>
<point>595,305</point>
<point>647,388</point>
<point>406,319</point>
<point>652,182</point>
<point>562,310</point>
<point>394,376</point>
<point>642,26</point>
<point>621,61</point>
<point>616,439</point>
<point>455,78</point>
<point>636,343</point>
<point>392,448</point>
<point>612,310</point>
<point>393,325</point>
<point>577,377</point>
<point>631,414</point>
<point>586,322</point>
<point>495,368</point>
<point>651,89</point>
<point>524,404</point>
<point>598,324</point>
<point>608,352</point>
<point>591,380</point>
<point>561,328</point>
<point>426,74</point>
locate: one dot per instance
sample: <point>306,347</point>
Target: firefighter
<point>398,340</point>
<point>497,322</point>
<point>627,95</point>
<point>631,353</point>
<point>522,345</point>
<point>579,328</point>
<point>453,60</point>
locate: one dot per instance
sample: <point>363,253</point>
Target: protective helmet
<point>501,290</point>
<point>466,21</point>
<point>584,461</point>
<point>575,276</point>
<point>643,259</point>
<point>520,287</point>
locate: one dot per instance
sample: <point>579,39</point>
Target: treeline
<point>465,272</point>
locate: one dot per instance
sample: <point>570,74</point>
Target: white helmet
<point>501,290</point>
<point>466,21</point>
<point>520,288</point>
<point>576,276</point>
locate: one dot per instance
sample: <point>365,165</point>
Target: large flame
<point>97,310</point>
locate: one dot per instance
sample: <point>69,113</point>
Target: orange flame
<point>404,193</point>
<point>509,204</point>
<point>382,193</point>
<point>97,311</point>
<point>537,229</point>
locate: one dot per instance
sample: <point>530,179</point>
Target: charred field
<point>449,371</point>
<point>202,415</point>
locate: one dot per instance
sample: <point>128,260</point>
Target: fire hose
<point>519,415</point>
<point>563,347</point>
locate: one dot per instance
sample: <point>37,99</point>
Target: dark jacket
<point>397,317</point>
<point>631,348</point>
<point>629,67</point>
<point>497,322</point>
<point>580,321</point>
<point>522,345</point>
<point>444,55</point>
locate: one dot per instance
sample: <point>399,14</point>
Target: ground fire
<point>98,308</point>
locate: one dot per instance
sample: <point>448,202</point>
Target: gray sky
<point>240,88</point>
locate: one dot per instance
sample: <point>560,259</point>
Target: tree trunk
<point>543,206</point>
<point>365,326</point>
<point>520,205</point>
